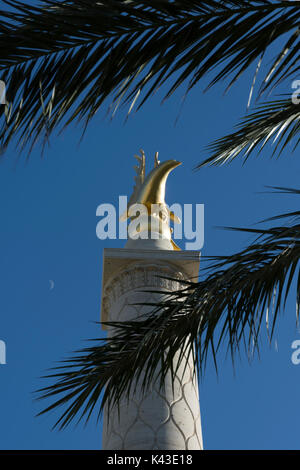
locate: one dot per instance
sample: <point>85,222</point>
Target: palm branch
<point>235,296</point>
<point>62,59</point>
<point>275,122</point>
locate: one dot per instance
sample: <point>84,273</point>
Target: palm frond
<point>237,296</point>
<point>62,59</point>
<point>275,122</point>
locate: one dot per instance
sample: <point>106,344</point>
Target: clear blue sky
<point>48,232</point>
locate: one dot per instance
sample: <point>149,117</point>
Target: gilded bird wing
<point>139,178</point>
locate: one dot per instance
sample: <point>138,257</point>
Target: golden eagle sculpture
<point>151,189</point>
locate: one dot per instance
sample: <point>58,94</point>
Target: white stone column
<point>161,419</point>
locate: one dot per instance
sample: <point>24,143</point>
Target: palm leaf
<point>275,122</point>
<point>237,295</point>
<point>62,59</point>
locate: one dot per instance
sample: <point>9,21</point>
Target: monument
<point>167,418</point>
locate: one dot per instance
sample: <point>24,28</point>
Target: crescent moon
<point>51,284</point>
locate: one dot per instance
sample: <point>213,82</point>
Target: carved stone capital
<point>141,276</point>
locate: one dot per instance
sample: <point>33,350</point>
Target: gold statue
<point>152,190</point>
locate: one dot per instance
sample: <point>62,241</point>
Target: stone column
<point>162,419</point>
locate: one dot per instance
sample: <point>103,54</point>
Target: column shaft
<point>162,419</point>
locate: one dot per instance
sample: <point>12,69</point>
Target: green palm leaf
<point>237,295</point>
<point>275,122</point>
<point>62,59</point>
